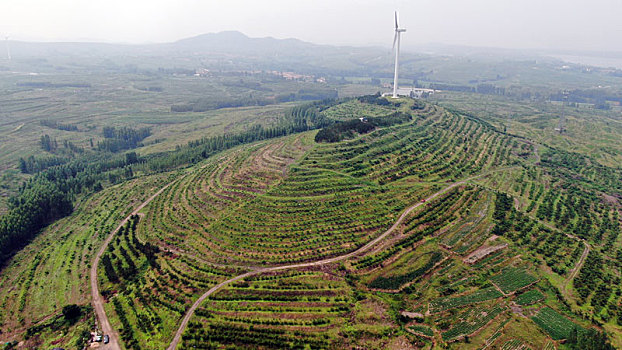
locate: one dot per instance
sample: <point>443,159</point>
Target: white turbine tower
<point>8,52</point>
<point>398,31</point>
<point>562,120</point>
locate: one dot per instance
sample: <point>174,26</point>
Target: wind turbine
<point>562,120</point>
<point>396,38</point>
<point>8,52</point>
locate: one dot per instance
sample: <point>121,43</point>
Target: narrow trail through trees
<point>575,270</point>
<point>577,267</point>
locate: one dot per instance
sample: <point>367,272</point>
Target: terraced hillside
<point>250,208</point>
<point>433,230</point>
<point>437,145</point>
<point>276,310</point>
<point>292,217</point>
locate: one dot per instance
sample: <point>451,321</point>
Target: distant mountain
<point>224,50</point>
<point>233,51</point>
<point>232,41</point>
<point>223,42</point>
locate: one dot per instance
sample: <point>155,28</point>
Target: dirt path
<point>577,267</point>
<point>535,152</point>
<point>363,249</point>
<point>98,303</point>
<point>575,270</point>
<point>535,149</point>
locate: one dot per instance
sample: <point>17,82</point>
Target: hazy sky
<point>565,24</point>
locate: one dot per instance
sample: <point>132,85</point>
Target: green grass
<point>394,282</point>
<point>277,307</point>
<point>513,344</point>
<point>354,109</point>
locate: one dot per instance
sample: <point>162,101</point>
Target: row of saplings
<point>198,336</point>
<point>122,269</point>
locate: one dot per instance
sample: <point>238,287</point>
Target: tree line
<point>206,104</point>
<point>119,139</point>
<point>55,125</point>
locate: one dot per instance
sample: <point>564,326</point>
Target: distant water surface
<point>606,62</point>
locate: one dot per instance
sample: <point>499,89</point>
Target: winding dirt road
<point>577,267</point>
<point>98,303</point>
<point>579,264</point>
<point>363,249</point>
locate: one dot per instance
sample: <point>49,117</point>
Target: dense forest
<point>348,129</point>
<point>39,203</point>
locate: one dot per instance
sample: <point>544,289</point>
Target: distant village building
<point>297,76</point>
<point>412,92</point>
<point>202,72</point>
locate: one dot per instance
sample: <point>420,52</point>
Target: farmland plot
<point>278,310</point>
<point>471,321</point>
<point>443,304</point>
<point>512,279</point>
<point>556,325</point>
<point>529,297</point>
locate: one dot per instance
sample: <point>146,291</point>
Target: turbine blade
<point>394,40</point>
<point>396,26</point>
